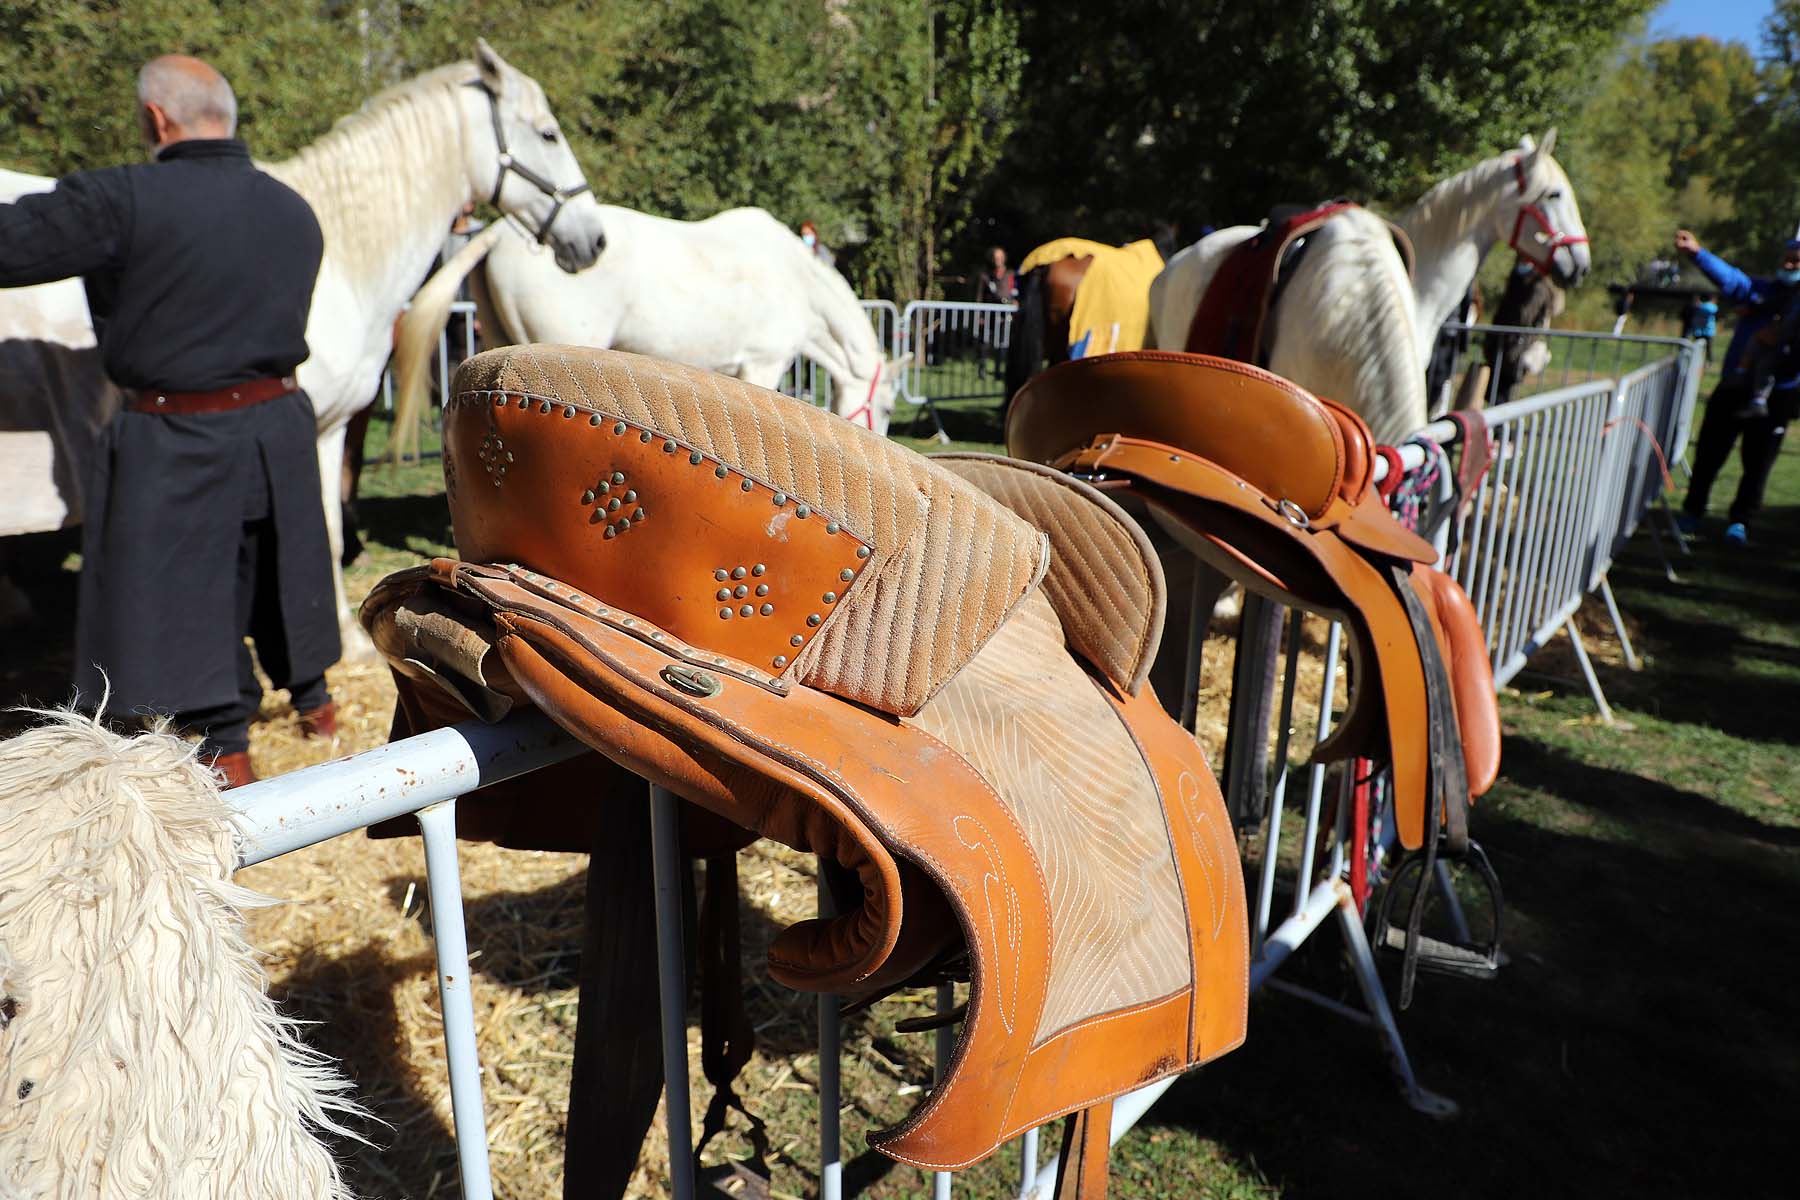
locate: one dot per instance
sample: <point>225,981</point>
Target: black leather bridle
<point>559,196</point>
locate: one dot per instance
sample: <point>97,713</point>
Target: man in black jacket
<point>203,519</point>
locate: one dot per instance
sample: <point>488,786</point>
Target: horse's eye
<point>549,135</point>
<point>1555,195</point>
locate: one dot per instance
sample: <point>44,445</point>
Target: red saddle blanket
<point>1234,311</point>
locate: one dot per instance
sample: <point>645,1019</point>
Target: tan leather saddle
<point>1273,486</point>
<point>931,672</point>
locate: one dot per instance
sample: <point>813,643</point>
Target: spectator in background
<point>1731,410</point>
<point>809,235</point>
<point>996,283</point>
<point>1700,322</point>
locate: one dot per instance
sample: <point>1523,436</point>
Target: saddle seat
<point>930,672</point>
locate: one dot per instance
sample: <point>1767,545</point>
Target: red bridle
<point>1549,240</point>
<point>866,411</point>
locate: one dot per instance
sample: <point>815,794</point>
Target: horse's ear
<point>491,65</point>
<point>1526,145</point>
<point>1549,142</point>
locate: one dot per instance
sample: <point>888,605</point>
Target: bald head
<point>180,97</point>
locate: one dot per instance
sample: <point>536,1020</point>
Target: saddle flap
<point>741,521</point>
<point>1471,674</point>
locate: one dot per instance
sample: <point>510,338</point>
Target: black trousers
<point>1719,428</point>
<point>226,728</point>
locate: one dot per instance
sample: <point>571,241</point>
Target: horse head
<point>869,402</point>
<point>519,160</point>
<point>1544,226</point>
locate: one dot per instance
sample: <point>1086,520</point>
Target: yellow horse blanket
<point>1112,305</point>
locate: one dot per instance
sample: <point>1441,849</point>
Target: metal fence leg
<point>443,880</point>
<point>942,1046</point>
<point>1587,670</point>
<point>831,1138</point>
<point>1681,539</point>
<point>1028,1153</point>
<point>1618,623</point>
<point>671,967</point>
<point>1453,909</point>
<point>1362,966</point>
<point>1661,554</point>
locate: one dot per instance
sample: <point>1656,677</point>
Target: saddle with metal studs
<point>930,673</point>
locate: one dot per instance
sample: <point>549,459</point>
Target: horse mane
<point>140,1053</point>
<point>1360,326</point>
<point>368,172</point>
<point>1449,202</point>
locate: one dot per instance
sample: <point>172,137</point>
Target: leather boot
<point>320,722</point>
<point>233,769</point>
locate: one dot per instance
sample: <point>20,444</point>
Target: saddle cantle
<point>930,673</point>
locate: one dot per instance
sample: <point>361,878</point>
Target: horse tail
<point>1025,350</point>
<point>417,334</point>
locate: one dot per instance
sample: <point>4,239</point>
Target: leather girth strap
<point>1086,1143</point>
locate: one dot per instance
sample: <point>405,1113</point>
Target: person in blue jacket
<point>1730,412</point>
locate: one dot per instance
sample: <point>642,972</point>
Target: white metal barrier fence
<point>952,350</point>
<point>807,380</point>
<point>1573,474</point>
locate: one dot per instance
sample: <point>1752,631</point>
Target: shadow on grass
<point>1645,1014</point>
<point>1715,634</point>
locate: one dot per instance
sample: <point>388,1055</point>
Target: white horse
<point>385,183</point>
<point>1349,324</point>
<point>736,293</point>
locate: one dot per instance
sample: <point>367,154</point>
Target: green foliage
<point>913,131</point>
<point>1215,111</point>
<point>1621,172</point>
<point>1760,174</point>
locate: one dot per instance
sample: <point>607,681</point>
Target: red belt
<point>240,395</point>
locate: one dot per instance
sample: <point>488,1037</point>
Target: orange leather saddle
<point>1273,486</point>
<point>930,672</point>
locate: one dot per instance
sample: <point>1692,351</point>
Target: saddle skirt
<point>928,672</point>
<point>1273,486</point>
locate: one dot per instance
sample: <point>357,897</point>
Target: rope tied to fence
<point>1662,461</point>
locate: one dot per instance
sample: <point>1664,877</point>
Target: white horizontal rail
<point>317,803</point>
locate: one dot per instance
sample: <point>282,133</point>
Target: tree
<point>1216,111</point>
<point>1759,174</point>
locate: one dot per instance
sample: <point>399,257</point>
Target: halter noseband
<point>1551,239</point>
<point>866,410</point>
<point>559,196</point>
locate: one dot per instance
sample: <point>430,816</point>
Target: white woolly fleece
<point>140,1054</point>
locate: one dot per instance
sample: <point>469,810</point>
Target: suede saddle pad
<point>930,672</point>
<point>1274,487</point>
